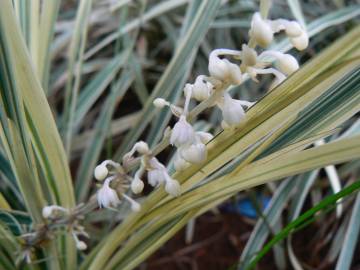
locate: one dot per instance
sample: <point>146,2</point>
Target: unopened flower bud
<point>261,31</point>
<point>248,56</point>
<point>182,133</point>
<point>232,111</point>
<point>293,29</point>
<point>142,148</point>
<point>52,211</point>
<point>287,64</point>
<point>195,153</point>
<point>156,173</point>
<point>135,206</point>
<point>301,42</point>
<point>224,70</point>
<point>160,103</point>
<point>81,245</point>
<point>200,90</point>
<point>137,185</point>
<point>100,172</point>
<point>173,187</point>
<point>155,177</point>
<point>235,76</point>
<point>47,211</point>
<point>180,164</point>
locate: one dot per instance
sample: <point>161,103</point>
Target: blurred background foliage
<point>100,65</point>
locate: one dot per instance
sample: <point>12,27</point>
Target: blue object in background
<point>246,208</point>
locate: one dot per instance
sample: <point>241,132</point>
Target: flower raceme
<point>211,91</point>
<point>117,185</point>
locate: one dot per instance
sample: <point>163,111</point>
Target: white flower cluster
<point>190,144</point>
<point>211,91</point>
<point>262,31</point>
<point>224,73</point>
<point>107,196</point>
<point>52,212</point>
<point>156,172</point>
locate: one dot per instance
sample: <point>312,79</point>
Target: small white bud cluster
<point>190,144</point>
<point>56,211</point>
<point>160,103</point>
<point>262,31</point>
<point>156,173</point>
<point>107,196</point>
<point>222,69</point>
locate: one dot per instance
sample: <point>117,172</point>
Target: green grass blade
<point>154,12</point>
<point>308,215</point>
<point>351,238</point>
<point>97,86</point>
<point>296,10</point>
<point>272,214</point>
<point>77,48</point>
<point>49,12</point>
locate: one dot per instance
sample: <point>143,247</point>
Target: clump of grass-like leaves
<point>78,85</point>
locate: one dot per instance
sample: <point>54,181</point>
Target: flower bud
<point>261,31</point>
<point>224,70</point>
<point>182,133</point>
<point>287,64</point>
<point>173,187</point>
<point>107,196</point>
<point>248,56</point>
<point>195,153</point>
<point>232,111</point>
<point>142,148</point>
<point>135,206</point>
<point>200,90</point>
<point>137,185</point>
<point>160,103</point>
<point>293,29</point>
<point>80,245</point>
<point>301,42</point>
<point>47,211</point>
<point>235,76</point>
<point>100,172</point>
<point>180,164</point>
<point>155,177</point>
<point>218,68</point>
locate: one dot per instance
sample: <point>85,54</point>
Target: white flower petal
<point>182,133</point>
<point>232,111</point>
